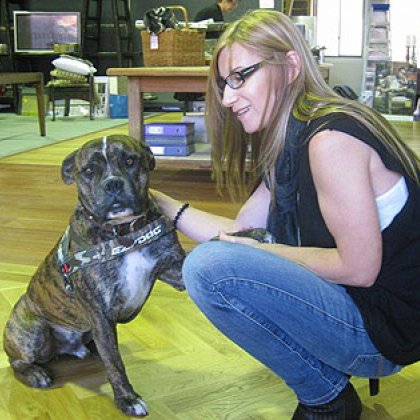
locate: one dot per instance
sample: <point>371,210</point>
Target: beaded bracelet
<point>179,213</point>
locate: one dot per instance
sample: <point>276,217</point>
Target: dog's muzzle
<point>117,201</point>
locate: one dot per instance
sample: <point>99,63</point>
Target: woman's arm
<point>341,168</point>
<point>202,226</point>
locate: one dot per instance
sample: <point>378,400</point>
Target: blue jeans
<point>305,329</point>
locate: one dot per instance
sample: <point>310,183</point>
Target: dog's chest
<point>134,278</point>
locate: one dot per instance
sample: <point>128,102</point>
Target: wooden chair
<point>29,79</point>
<point>71,89</point>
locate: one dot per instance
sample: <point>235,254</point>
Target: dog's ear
<point>150,156</point>
<point>67,168</point>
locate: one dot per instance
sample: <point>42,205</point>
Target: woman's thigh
<point>318,315</point>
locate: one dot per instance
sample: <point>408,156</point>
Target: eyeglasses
<point>237,78</point>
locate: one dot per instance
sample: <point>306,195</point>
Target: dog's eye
<point>89,171</point>
<point>129,162</point>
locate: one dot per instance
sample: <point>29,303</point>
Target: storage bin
<point>118,106</point>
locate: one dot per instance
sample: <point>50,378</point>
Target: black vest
<point>391,307</point>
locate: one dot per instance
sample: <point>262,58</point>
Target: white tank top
<point>390,203</point>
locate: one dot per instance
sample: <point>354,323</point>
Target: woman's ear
<point>293,65</point>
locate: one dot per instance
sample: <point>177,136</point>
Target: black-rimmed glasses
<point>237,78</point>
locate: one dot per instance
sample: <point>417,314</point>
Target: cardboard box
<point>29,105</point>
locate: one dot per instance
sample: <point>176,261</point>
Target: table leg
<point>41,106</point>
<point>135,108</point>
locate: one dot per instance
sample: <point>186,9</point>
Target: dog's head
<point>112,176</point>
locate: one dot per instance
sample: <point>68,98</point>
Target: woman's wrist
<point>168,205</point>
<point>180,213</point>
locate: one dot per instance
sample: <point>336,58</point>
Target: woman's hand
<point>224,236</point>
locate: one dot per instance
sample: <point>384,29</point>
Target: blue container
<point>380,7</point>
<point>118,106</point>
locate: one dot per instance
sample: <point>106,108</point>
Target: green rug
<point>20,133</point>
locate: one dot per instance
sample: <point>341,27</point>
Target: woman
<point>338,294</point>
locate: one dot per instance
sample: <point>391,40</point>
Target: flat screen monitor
<point>37,32</point>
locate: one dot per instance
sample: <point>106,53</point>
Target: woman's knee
<point>202,268</point>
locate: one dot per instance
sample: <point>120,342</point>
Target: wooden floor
<point>180,364</point>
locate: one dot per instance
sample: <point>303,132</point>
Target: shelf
<point>200,159</point>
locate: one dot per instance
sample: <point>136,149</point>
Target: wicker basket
<point>174,47</point>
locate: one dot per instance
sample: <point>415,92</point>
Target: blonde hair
<point>271,35</point>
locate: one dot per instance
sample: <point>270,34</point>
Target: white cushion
<point>74,65</point>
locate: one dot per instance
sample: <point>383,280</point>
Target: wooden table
<point>32,79</point>
<point>157,79</point>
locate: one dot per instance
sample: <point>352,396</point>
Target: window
<point>340,27</point>
<point>405,17</point>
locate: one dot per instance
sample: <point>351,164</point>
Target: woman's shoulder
<point>344,123</point>
<point>339,121</point>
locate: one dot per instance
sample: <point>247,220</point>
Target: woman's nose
<point>229,96</point>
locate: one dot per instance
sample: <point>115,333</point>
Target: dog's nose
<point>114,186</point>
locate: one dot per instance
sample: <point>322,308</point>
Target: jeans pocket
<point>372,366</point>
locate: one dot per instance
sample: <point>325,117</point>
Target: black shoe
<point>346,406</point>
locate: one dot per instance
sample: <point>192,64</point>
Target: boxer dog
<point>100,272</point>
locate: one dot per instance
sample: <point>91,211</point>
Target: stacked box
<point>170,139</point>
<point>29,104</point>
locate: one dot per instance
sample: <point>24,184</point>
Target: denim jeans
<point>305,329</point>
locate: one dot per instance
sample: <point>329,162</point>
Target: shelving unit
<point>377,51</point>
<point>6,31</point>
<point>298,7</point>
<point>7,59</point>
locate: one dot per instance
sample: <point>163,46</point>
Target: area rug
<point>20,133</point>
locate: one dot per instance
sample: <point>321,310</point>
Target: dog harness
<point>108,250</point>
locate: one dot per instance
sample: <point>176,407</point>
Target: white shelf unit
<point>102,91</point>
<point>377,46</point>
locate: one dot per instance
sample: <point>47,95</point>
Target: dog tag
<point>154,42</point>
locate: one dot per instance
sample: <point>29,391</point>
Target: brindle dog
<point>101,272</point>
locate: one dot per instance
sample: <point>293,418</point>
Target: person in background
<point>216,12</point>
<point>338,293</point>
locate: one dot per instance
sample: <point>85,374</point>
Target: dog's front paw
<point>133,406</point>
<point>258,234</point>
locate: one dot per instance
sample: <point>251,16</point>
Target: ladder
<point>92,38</point>
<point>377,48</point>
<point>298,7</point>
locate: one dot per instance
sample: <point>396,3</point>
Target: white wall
<point>346,71</point>
<point>405,20</point>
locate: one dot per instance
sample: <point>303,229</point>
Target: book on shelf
<point>169,129</point>
<point>179,150</point>
<point>169,140</point>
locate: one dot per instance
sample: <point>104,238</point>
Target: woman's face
<point>249,101</point>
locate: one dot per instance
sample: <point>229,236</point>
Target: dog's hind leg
<point>31,374</point>
<point>27,342</point>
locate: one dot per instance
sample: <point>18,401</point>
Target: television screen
<point>37,32</point>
